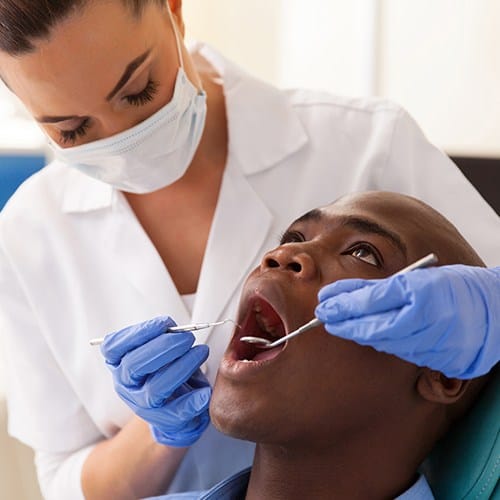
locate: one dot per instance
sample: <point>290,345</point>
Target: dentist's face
<point>100,72</point>
<point>318,387</point>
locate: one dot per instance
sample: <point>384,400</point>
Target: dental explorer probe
<point>176,329</point>
<point>426,261</point>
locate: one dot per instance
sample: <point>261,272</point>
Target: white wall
<point>246,31</point>
<point>441,60</point>
<point>17,131</point>
<point>438,58</point>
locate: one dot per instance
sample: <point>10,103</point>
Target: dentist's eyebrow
<point>57,119</point>
<point>129,71</point>
<point>368,226</point>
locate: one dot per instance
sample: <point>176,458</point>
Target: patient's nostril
<point>295,267</point>
<point>272,263</point>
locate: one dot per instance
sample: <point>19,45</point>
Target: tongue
<point>266,354</point>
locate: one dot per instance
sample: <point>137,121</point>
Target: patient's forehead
<point>419,226</point>
<point>397,213</point>
<point>394,216</point>
<point>382,205</point>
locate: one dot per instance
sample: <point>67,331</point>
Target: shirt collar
<point>236,487</point>
<point>419,491</point>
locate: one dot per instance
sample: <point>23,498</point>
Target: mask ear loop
<point>178,43</point>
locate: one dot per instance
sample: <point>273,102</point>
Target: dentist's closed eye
<point>70,136</point>
<point>365,252</point>
<point>146,95</point>
<point>140,99</point>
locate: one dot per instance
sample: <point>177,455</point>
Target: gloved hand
<point>446,318</point>
<point>158,376</point>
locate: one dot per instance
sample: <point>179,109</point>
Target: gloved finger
<point>185,437</point>
<point>117,344</point>
<point>178,413</point>
<point>162,384</point>
<point>198,380</point>
<point>373,329</point>
<point>342,286</point>
<point>150,357</point>
<point>382,296</point>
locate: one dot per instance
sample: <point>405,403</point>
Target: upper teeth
<point>262,322</point>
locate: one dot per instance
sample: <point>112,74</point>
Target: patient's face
<point>318,385</point>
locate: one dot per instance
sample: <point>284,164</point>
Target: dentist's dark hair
<point>23,22</point>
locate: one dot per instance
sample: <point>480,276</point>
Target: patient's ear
<point>435,387</point>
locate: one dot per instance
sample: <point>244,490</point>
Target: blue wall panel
<point>14,169</point>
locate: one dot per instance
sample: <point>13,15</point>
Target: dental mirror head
<point>267,344</point>
<point>256,340</point>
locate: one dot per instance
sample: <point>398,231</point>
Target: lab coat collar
<point>82,193</point>
<point>253,105</point>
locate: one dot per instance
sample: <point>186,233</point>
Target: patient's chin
<point>236,419</point>
<point>226,415</point>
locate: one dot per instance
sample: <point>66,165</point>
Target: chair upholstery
<point>465,465</point>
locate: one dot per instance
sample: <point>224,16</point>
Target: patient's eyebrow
<point>314,215</point>
<point>368,226</point>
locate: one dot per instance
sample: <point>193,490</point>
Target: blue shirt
<point>235,488</point>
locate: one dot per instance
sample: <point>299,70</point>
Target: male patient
<point>333,419</point>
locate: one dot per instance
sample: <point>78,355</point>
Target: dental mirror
<point>426,261</point>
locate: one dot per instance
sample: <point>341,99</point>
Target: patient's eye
<point>365,252</point>
<point>292,237</point>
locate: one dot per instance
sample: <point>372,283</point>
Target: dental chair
<point>465,465</point>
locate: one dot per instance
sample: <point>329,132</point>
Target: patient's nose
<point>291,259</point>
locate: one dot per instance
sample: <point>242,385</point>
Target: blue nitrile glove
<point>158,376</point>
<point>446,318</point>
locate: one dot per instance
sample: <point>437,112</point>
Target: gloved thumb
<point>342,286</point>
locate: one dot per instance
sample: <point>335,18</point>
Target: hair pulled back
<point>22,22</point>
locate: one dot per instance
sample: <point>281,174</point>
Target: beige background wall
<point>438,58</point>
<point>441,59</point>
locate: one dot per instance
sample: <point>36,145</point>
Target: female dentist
<point>174,171</point>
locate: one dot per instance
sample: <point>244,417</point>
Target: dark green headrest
<point>466,463</point>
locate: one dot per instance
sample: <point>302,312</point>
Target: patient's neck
<point>373,466</point>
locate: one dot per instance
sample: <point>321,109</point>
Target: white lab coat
<point>76,264</point>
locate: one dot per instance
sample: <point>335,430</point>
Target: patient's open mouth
<point>261,320</point>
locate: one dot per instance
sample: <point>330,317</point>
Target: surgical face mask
<point>152,154</point>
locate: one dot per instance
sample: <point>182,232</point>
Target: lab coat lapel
<point>144,269</point>
<point>241,224</point>
<point>130,251</point>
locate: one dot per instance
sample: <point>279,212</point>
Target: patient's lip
<point>266,294</point>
